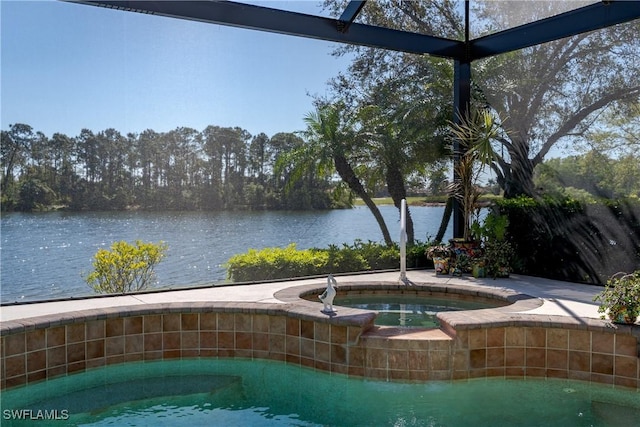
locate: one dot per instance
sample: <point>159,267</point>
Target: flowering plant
<point>438,251</point>
<point>621,297</point>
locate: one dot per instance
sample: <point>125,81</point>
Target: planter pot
<point>441,265</point>
<point>463,252</point>
<point>455,271</point>
<point>478,271</point>
<point>623,316</point>
<point>498,271</point>
<point>502,272</point>
<point>470,248</point>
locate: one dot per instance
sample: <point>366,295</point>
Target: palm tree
<point>473,150</point>
<point>330,134</point>
<point>403,126</point>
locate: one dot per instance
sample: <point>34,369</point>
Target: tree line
<point>186,169</point>
<point>593,175</point>
<point>383,124</point>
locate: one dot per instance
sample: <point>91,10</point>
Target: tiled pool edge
<point>503,342</point>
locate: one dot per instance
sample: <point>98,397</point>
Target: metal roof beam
<point>349,15</point>
<point>289,23</point>
<point>578,21</point>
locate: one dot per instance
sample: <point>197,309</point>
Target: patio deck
<point>559,298</point>
<point>550,329</point>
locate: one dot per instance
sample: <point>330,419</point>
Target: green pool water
<point>238,392</point>
<point>408,310</point>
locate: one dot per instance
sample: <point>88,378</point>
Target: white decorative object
<point>403,242</point>
<point>329,294</point>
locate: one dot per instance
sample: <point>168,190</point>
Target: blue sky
<point>66,67</point>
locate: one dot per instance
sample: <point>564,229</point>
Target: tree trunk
<point>446,217</point>
<point>518,177</point>
<point>347,174</point>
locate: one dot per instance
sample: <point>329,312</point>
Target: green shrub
<point>280,263</point>
<point>344,260</point>
<point>275,263</point>
<point>417,255</point>
<point>125,268</point>
<point>379,257</point>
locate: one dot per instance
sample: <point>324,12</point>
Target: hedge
<point>281,263</point>
<point>572,240</point>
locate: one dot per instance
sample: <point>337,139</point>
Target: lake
<point>46,255</point>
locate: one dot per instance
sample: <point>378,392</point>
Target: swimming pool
<point>409,310</point>
<point>229,392</point>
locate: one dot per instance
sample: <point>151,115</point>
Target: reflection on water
<point>45,255</point>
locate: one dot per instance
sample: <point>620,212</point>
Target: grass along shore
<point>411,201</point>
<point>421,200</point>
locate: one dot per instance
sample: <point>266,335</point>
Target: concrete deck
<point>559,298</point>
<point>549,329</point>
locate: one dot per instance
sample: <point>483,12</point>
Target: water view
<point>46,255</point>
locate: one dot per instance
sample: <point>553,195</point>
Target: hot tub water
<point>409,310</point>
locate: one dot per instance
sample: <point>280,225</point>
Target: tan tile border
<point>504,341</point>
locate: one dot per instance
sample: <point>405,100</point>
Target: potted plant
<point>497,252</point>
<point>497,258</point>
<point>621,298</point>
<point>473,151</point>
<point>462,264</point>
<point>478,267</point>
<point>440,254</point>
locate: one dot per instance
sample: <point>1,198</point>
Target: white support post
<point>403,241</point>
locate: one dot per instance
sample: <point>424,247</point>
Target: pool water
<point>239,392</point>
<point>407,310</point>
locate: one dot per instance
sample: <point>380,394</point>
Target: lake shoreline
<point>46,254</point>
<point>379,201</point>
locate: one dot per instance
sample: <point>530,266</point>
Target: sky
<point>66,67</point>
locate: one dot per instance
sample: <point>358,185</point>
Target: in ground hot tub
<point>413,306</point>
<point>411,310</point>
